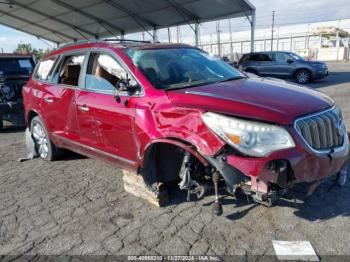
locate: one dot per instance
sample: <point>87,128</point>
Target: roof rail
<point>76,42</point>
<point>105,40</point>
<point>126,40</point>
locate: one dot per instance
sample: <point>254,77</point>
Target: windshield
<point>296,57</point>
<point>181,67</point>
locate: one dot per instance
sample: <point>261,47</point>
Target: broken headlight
<point>248,137</point>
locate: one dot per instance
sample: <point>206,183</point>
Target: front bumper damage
<point>268,177</point>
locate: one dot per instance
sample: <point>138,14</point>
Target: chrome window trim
<point>325,151</point>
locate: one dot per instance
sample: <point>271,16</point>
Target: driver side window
<point>103,73</point>
<point>281,57</point>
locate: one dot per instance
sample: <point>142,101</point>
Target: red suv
<point>171,112</point>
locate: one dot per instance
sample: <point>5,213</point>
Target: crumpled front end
<point>321,150</point>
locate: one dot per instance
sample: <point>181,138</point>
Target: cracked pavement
<point>77,206</point>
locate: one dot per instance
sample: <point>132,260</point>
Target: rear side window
<point>259,57</point>
<point>68,71</point>
<point>44,69</point>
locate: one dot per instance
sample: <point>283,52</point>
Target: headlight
<point>248,137</point>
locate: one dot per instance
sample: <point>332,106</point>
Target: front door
<point>283,65</point>
<point>113,116</point>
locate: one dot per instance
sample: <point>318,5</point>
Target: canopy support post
<point>155,36</point>
<point>197,33</point>
<point>252,31</point>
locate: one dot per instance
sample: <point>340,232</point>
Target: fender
<point>182,144</point>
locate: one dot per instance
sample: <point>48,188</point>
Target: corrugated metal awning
<point>63,21</point>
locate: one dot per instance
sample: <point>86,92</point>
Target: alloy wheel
<point>303,77</point>
<point>41,140</point>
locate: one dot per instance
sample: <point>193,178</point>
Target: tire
<point>303,76</point>
<point>43,145</point>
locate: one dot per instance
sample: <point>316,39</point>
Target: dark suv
<point>283,64</point>
<point>15,70</point>
<point>172,113</point>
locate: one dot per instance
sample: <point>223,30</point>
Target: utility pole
<point>218,37</point>
<point>273,28</point>
<point>231,45</point>
<point>169,35</point>
<point>177,34</point>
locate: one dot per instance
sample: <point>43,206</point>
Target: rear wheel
<point>303,76</point>
<point>43,145</point>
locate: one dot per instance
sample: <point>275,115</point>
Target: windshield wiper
<point>189,86</point>
<point>230,79</point>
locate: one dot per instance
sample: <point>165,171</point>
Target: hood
<point>313,63</point>
<point>254,98</point>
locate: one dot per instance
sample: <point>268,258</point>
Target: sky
<point>286,12</point>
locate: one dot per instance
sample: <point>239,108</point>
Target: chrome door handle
<point>83,108</point>
<point>48,100</point>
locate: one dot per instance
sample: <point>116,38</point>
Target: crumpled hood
<point>254,98</point>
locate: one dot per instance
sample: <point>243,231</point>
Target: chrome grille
<point>322,131</point>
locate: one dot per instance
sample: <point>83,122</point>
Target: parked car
<point>170,112</point>
<point>283,64</point>
<point>14,73</point>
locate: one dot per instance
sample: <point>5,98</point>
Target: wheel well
<point>31,115</point>
<point>162,163</point>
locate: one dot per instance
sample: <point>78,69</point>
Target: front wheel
<point>43,145</point>
<point>303,76</point>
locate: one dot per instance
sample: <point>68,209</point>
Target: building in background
<point>328,41</point>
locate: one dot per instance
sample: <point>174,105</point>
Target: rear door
<point>265,64</point>
<point>113,116</point>
<point>58,105</point>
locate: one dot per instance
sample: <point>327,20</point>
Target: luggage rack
<point>117,40</point>
<point>128,40</point>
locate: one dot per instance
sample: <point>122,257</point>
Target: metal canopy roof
<point>65,20</point>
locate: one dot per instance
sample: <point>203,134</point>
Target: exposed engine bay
<point>218,177</point>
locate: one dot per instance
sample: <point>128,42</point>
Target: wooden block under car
<point>134,184</point>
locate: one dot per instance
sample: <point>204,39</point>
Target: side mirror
<point>117,96</point>
<point>290,60</point>
<point>122,85</point>
<point>127,85</point>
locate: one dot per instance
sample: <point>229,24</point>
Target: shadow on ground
<point>334,78</point>
<point>12,129</point>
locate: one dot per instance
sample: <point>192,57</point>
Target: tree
<point>25,48</point>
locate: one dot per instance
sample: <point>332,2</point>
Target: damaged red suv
<point>171,112</point>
